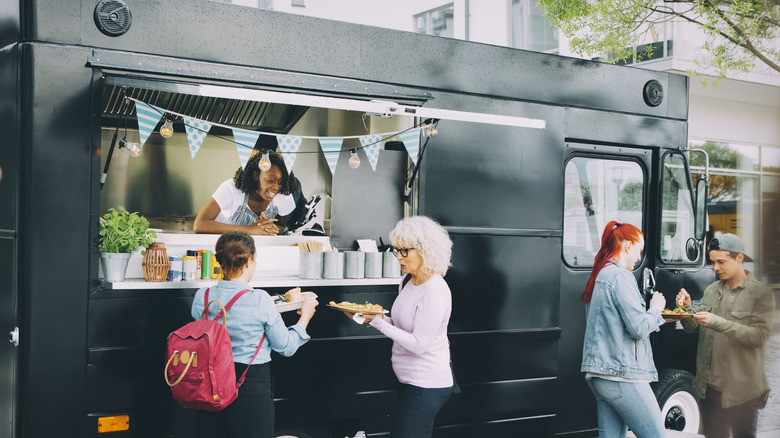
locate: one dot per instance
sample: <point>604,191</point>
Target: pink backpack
<point>200,369</point>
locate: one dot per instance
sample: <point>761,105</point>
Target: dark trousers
<point>251,415</point>
<point>416,409</point>
<point>742,419</point>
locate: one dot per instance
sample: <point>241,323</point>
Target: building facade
<point>737,122</point>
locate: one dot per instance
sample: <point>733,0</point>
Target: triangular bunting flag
<point>148,116</point>
<point>411,139</point>
<point>289,145</point>
<point>196,133</point>
<point>245,143</point>
<point>331,146</point>
<point>371,148</point>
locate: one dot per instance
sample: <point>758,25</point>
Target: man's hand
<point>703,318</point>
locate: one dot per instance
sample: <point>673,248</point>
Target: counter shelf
<point>139,283</point>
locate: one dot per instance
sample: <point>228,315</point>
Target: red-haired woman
<point>616,356</point>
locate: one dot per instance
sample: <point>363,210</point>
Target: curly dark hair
<point>246,178</point>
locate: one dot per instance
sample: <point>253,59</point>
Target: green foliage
<point>124,232</point>
<point>739,33</point>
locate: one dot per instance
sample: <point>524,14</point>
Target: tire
<point>293,434</point>
<point>678,400</point>
<point>303,431</point>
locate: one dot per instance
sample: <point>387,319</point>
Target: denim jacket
<point>251,316</point>
<point>618,327</point>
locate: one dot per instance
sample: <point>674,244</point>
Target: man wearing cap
<point>734,320</point>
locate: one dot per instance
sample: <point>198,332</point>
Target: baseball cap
<point>729,242</point>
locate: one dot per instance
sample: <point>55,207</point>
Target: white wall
<point>735,112</point>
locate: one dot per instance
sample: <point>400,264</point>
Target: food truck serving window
<point>598,190</point>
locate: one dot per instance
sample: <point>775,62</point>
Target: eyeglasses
<point>403,251</point>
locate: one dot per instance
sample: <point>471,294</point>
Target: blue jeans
<point>624,405</point>
<point>416,409</point>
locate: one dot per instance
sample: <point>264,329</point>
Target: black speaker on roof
<point>113,17</point>
<point>653,93</point>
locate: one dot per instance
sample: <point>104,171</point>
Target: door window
<point>598,190</point>
<point>677,213</point>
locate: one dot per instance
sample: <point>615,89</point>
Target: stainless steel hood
<point>277,118</point>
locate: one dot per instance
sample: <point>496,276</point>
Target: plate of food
<point>292,299</point>
<point>676,314</point>
<point>366,309</point>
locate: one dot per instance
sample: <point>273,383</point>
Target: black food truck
<point>534,154</point>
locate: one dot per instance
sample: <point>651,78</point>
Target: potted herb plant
<point>121,233</point>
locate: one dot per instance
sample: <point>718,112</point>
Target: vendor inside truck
<point>260,199</point>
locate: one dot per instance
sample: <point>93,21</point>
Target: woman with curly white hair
<point>418,327</point>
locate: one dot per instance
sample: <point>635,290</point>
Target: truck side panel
<point>54,266</point>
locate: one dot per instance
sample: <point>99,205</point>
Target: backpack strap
<point>243,375</point>
<point>227,307</point>
<point>231,302</point>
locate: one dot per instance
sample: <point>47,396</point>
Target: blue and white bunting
<point>370,145</point>
<point>245,143</point>
<point>331,147</point>
<point>289,145</point>
<point>411,139</point>
<point>196,132</point>
<point>148,116</point>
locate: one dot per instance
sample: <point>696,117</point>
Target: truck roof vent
<point>653,93</point>
<point>112,17</point>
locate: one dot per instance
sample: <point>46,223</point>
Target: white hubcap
<point>682,405</point>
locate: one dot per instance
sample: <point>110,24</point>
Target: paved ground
<point>769,417</point>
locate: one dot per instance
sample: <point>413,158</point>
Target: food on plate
<point>293,294</point>
<point>676,311</point>
<point>358,308</point>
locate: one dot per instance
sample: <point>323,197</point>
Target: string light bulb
<point>166,130</point>
<point>134,149</point>
<point>265,162</point>
<point>354,160</point>
<point>430,131</point>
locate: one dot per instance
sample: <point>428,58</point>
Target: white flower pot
<point>114,265</point>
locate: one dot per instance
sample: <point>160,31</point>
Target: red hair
<point>612,240</point>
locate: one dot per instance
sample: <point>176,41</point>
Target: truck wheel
<point>303,431</point>
<point>678,400</point>
<point>293,434</point>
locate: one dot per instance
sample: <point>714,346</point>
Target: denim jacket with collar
<point>618,327</point>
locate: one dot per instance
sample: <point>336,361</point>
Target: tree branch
<point>743,41</point>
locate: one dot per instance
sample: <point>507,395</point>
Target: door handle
<point>14,336</point>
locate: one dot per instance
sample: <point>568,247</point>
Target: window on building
<point>530,28</point>
<point>260,4</point>
<point>743,199</point>
<point>299,3</point>
<point>769,257</point>
<point>597,191</point>
<point>436,21</point>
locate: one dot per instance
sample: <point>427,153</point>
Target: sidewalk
<point>675,434</point>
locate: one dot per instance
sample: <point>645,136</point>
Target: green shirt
<point>746,321</point>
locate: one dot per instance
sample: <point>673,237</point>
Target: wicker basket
<point>156,263</point>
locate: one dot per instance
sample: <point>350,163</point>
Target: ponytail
<point>615,233</point>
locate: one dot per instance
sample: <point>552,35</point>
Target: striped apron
<point>244,216</point>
